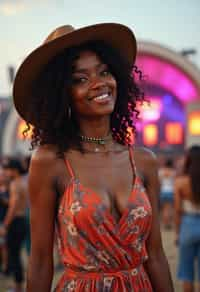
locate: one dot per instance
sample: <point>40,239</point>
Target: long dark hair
<point>191,168</point>
<point>51,98</point>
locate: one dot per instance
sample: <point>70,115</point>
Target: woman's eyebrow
<point>85,70</point>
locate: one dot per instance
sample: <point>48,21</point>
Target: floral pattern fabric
<point>100,254</point>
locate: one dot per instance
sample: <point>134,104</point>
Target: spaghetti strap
<point>69,168</point>
<point>130,148</point>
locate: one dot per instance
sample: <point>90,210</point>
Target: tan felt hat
<point>117,35</point>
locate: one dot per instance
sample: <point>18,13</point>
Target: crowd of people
<point>179,211</point>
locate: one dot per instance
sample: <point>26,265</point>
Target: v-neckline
<point>76,180</point>
<point>116,223</point>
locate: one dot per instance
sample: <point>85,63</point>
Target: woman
<point>187,208</point>
<point>166,177</point>
<point>78,91</point>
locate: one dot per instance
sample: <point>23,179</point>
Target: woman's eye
<point>105,72</point>
<point>79,80</point>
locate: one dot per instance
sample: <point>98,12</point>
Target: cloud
<point>12,7</point>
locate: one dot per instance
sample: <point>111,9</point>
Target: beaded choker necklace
<point>100,141</point>
<point>94,140</point>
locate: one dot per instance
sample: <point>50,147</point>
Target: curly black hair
<point>51,98</point>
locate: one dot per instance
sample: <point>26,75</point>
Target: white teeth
<point>101,96</point>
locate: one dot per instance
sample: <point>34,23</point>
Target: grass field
<point>170,249</point>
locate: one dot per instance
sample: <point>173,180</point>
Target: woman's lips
<point>102,99</point>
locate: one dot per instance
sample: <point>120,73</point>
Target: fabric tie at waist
<point>132,271</point>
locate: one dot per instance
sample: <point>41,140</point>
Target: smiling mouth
<point>100,97</point>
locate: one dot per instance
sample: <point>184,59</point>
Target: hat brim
<point>117,35</point>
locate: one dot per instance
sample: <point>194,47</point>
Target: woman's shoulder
<point>45,156</point>
<point>144,154</point>
<point>145,161</point>
<point>45,153</point>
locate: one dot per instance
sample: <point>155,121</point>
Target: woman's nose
<point>97,82</point>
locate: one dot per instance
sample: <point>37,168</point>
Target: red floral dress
<point>100,254</point>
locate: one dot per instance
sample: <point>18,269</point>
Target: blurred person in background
<point>187,218</point>
<point>25,164</point>
<point>179,164</point>
<point>166,177</point>
<point>14,223</point>
<point>4,197</point>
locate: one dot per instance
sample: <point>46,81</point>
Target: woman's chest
<point>84,207</point>
<point>111,181</point>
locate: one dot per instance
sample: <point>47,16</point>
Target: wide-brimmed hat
<point>117,35</point>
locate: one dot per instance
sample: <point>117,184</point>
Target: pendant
<point>96,149</point>
<point>101,142</point>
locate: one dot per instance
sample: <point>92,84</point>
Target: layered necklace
<point>97,141</point>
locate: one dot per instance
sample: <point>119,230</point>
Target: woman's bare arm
<point>42,219</point>
<point>156,265</point>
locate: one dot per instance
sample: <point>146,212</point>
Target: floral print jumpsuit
<point>100,254</point>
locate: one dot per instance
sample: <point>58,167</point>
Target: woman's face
<point>94,88</point>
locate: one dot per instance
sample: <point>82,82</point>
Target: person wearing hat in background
<point>78,90</point>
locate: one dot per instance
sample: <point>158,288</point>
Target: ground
<point>171,252</point>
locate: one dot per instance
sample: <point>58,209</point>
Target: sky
<point>24,24</point>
